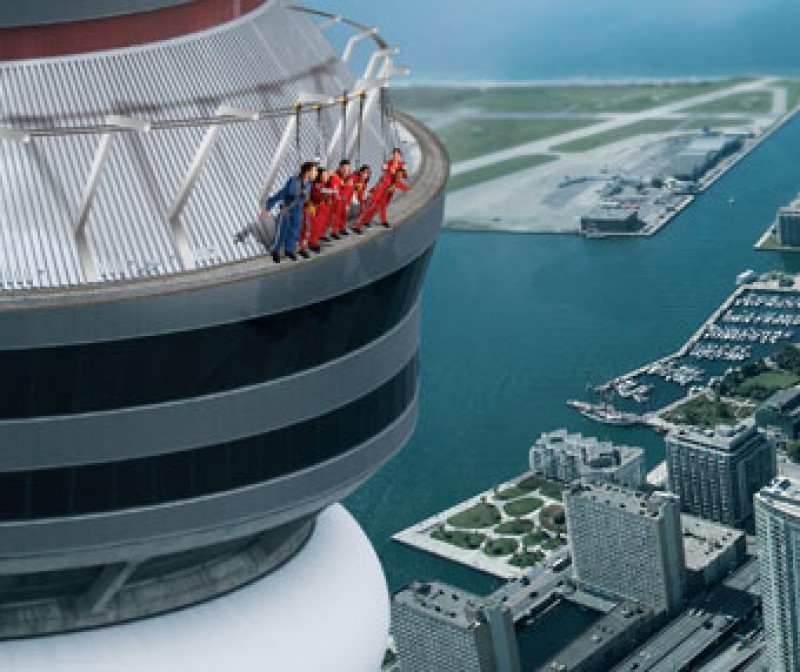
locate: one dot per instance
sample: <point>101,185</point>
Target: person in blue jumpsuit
<point>292,198</point>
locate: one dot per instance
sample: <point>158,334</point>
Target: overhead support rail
<point>366,92</point>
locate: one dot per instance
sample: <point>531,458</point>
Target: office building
<point>716,472</point>
<point>567,457</point>
<point>626,544</point>
<point>437,627</point>
<point>777,509</point>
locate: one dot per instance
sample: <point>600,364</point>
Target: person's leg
<point>281,224</point>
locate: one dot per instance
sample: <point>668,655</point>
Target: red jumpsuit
<point>346,191</point>
<point>336,185</point>
<point>321,201</point>
<point>397,170</point>
<point>307,226</point>
<point>379,199</point>
<point>360,188</point>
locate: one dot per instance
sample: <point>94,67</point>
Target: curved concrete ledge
<point>133,535</point>
<point>141,431</point>
<point>236,291</point>
<point>326,609</point>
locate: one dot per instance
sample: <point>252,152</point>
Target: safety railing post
<point>99,161</point>
<point>179,237</point>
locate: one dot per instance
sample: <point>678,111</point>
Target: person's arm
<point>277,197</point>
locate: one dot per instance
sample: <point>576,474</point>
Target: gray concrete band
<point>134,535</point>
<point>141,431</point>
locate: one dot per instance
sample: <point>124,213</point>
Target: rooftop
<point>621,618</point>
<point>632,501</point>
<point>704,541</point>
<point>441,602</point>
<point>588,449</point>
<point>785,400</point>
<point>720,438</point>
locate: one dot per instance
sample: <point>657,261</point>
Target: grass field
<point>617,134</point>
<point>569,98</point>
<point>755,102</point>
<point>466,138</point>
<point>476,516</point>
<point>468,540</point>
<point>522,507</point>
<point>703,412</point>
<point>500,169</point>
<point>767,383</point>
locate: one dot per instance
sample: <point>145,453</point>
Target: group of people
<point>315,205</point>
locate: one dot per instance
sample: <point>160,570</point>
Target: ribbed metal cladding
<point>264,60</point>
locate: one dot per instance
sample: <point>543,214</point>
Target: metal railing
<point>365,93</point>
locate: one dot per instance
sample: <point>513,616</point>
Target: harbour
<point>590,311</point>
<point>755,321</point>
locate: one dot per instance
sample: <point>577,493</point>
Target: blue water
<point>543,39</point>
<point>514,325</point>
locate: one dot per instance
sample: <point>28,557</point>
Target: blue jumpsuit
<point>293,197</point>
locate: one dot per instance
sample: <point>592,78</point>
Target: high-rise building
<point>627,544</point>
<point>777,510</point>
<point>437,627</point>
<point>568,457</point>
<point>716,472</point>
<point>787,225</point>
<point>180,415</point>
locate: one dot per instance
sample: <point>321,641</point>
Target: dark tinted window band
<point>70,491</point>
<point>157,369</point>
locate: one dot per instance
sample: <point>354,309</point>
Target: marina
<point>759,318</point>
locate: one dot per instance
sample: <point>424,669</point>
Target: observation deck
<point>176,408</point>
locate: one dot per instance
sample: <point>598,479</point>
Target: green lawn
<point>503,546</point>
<point>526,559</point>
<point>553,543</point>
<point>752,102</point>
<point>518,526</point>
<point>535,537</point>
<point>617,134</point>
<point>499,169</point>
<point>468,540</point>
<point>702,412</point>
<point>765,384</point>
<point>552,490</point>
<point>468,138</point>
<point>522,507</point>
<point>577,98</point>
<point>714,123</point>
<point>477,516</point>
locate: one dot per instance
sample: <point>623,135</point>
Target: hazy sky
<point>531,39</point>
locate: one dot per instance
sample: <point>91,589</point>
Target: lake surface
<point>580,39</point>
<point>514,325</point>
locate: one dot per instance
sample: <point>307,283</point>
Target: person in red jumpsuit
<point>380,198</point>
<point>362,186</point>
<point>396,168</point>
<point>321,200</point>
<point>396,163</point>
<point>336,187</point>
<point>346,192</point>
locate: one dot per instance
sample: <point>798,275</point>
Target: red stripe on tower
<point>129,30</point>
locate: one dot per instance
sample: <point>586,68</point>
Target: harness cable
<point>344,125</point>
<point>320,136</point>
<point>361,96</point>
<point>383,123</point>
<point>298,108</point>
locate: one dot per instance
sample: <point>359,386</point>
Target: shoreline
<point>578,81</point>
